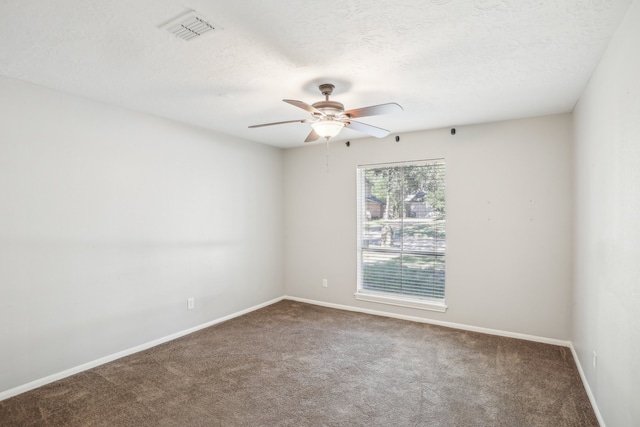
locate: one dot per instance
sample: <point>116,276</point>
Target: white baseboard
<point>89,365</point>
<point>436,322</point>
<point>587,388</point>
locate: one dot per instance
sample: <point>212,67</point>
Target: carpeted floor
<point>294,364</point>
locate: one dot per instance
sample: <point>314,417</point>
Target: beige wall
<point>110,220</point>
<point>606,292</point>
<point>508,222</point>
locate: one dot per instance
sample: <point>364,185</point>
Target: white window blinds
<point>401,230</point>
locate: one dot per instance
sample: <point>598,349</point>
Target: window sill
<point>402,301</point>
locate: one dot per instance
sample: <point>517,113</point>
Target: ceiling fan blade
<point>278,123</point>
<point>304,106</point>
<point>374,110</point>
<point>313,136</point>
<point>368,129</point>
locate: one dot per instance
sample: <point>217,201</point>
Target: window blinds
<point>401,229</point>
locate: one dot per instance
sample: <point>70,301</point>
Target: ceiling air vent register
<point>189,26</point>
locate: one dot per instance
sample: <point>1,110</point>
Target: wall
<point>508,222</point>
<point>110,220</point>
<point>606,301</point>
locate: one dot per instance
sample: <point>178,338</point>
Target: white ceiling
<point>447,62</point>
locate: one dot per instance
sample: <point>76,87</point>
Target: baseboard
<point>587,388</point>
<point>89,365</point>
<point>436,322</point>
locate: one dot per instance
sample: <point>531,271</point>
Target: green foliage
<point>393,185</point>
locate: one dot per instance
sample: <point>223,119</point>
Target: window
<point>401,234</point>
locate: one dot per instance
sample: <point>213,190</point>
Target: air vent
<point>189,26</point>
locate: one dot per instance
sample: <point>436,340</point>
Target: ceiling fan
<point>329,117</point>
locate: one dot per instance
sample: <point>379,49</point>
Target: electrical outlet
<point>595,360</point>
<point>191,303</point>
<point>325,283</point>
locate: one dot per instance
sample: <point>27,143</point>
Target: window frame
<point>419,302</point>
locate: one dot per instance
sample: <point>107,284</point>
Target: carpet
<point>296,364</point>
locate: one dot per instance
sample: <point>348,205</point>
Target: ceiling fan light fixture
<point>327,128</point>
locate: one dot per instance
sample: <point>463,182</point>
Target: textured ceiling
<point>447,62</point>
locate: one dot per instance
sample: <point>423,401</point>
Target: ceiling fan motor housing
<point>329,108</point>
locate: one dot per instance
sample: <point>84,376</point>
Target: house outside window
<point>401,234</point>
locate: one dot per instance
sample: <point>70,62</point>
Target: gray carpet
<point>294,364</point>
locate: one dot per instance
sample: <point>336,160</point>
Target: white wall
<point>508,222</point>
<point>111,219</point>
<point>606,293</point>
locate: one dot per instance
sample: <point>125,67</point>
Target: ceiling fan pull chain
<point>327,156</point>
